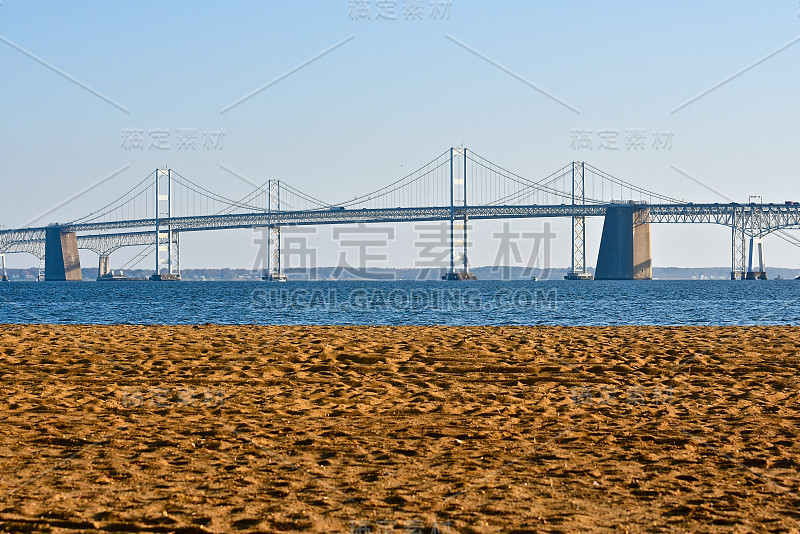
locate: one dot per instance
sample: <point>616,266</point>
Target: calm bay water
<point>655,302</point>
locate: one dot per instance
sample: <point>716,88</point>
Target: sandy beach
<point>399,429</point>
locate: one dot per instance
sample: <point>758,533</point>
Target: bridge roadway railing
<point>769,217</point>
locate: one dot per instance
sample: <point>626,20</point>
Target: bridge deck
<point>772,217</point>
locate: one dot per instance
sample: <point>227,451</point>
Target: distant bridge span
<point>461,185</point>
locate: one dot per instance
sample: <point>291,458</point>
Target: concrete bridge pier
<point>756,249</point>
<point>3,276</point>
<point>104,265</point>
<point>61,259</point>
<point>625,252</point>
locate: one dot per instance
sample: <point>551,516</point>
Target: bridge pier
<point>464,274</point>
<point>4,276</point>
<point>104,265</point>
<point>756,248</point>
<point>625,245</point>
<point>61,259</point>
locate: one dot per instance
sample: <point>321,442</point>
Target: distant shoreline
<point>431,274</point>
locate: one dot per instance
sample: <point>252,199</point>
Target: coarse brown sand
<point>399,429</point>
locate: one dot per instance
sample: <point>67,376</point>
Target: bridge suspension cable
<point>632,187</point>
<point>522,187</point>
<point>123,200</point>
<point>549,188</point>
<point>789,238</point>
<point>138,258</point>
<point>313,201</point>
<point>246,200</point>
<point>402,189</point>
<point>427,186</point>
<point>209,195</point>
<point>287,195</point>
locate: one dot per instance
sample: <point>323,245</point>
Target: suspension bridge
<point>457,186</point>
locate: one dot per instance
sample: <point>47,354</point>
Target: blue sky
<point>394,96</point>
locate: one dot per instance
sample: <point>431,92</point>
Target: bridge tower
<point>4,276</point>
<point>458,188</point>
<point>167,240</point>
<point>273,271</point>
<point>578,270</point>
